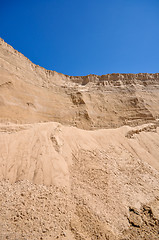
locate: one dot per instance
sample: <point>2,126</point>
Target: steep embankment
<point>29,94</point>
<point>63,182</point>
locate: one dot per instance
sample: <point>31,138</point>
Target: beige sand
<point>93,179</point>
<point>58,181</point>
<point>30,94</point>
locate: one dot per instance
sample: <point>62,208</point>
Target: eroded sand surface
<point>80,184</point>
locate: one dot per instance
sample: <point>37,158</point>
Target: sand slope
<point>98,183</point>
<point>79,156</point>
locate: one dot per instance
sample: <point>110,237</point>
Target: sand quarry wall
<point>79,156</point>
<point>30,94</point>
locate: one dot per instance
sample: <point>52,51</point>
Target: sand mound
<point>99,184</point>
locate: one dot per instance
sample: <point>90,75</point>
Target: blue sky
<point>80,37</point>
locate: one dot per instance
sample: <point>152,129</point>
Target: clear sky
<point>80,37</point>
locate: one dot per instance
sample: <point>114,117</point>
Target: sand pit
<point>79,156</point>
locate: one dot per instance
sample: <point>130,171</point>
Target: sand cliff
<point>79,156</point>
<point>30,93</point>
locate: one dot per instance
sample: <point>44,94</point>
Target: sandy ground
<point>61,182</point>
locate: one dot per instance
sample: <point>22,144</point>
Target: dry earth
<point>29,94</point>
<point>79,156</point>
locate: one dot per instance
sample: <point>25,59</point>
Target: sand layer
<point>31,94</point>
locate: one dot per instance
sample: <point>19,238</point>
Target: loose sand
<point>61,182</point>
